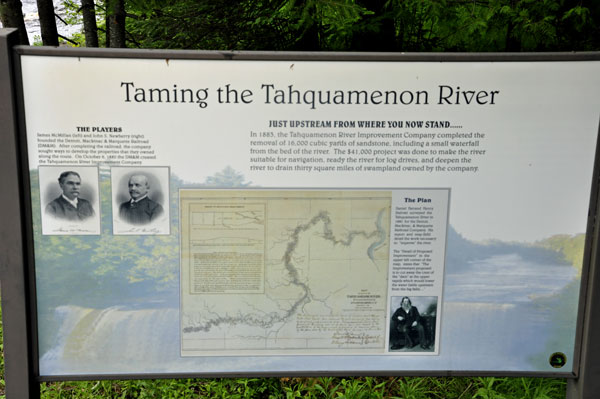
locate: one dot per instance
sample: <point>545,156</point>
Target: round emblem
<point>557,360</point>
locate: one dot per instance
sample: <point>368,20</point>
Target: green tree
<point>350,25</point>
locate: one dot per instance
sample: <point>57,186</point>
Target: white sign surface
<point>205,169</point>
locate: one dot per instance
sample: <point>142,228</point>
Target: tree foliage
<point>571,248</point>
<point>358,25</point>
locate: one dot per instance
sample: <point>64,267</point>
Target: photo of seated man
<point>409,328</point>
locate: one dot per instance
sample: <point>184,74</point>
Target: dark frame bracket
<point>587,383</point>
<point>20,379</point>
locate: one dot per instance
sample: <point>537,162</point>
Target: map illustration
<point>284,272</point>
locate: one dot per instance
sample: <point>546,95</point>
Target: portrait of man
<point>407,325</point>
<point>69,206</point>
<point>140,209</point>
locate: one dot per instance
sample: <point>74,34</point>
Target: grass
<point>321,387</point>
<point>311,388</point>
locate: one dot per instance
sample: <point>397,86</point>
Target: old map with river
<point>283,272</point>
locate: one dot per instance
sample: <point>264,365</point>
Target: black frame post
<point>587,385</point>
<point>19,375</point>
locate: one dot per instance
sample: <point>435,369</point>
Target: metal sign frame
<point>16,232</point>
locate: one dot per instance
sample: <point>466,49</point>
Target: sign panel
<point>204,216</point>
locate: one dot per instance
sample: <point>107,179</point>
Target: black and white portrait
<point>413,323</point>
<point>69,199</point>
<point>140,200</point>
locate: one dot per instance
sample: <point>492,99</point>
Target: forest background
<point>318,25</point>
<point>321,25</point>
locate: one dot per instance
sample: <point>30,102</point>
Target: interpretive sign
<point>280,214</point>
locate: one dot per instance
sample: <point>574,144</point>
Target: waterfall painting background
<point>110,304</point>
